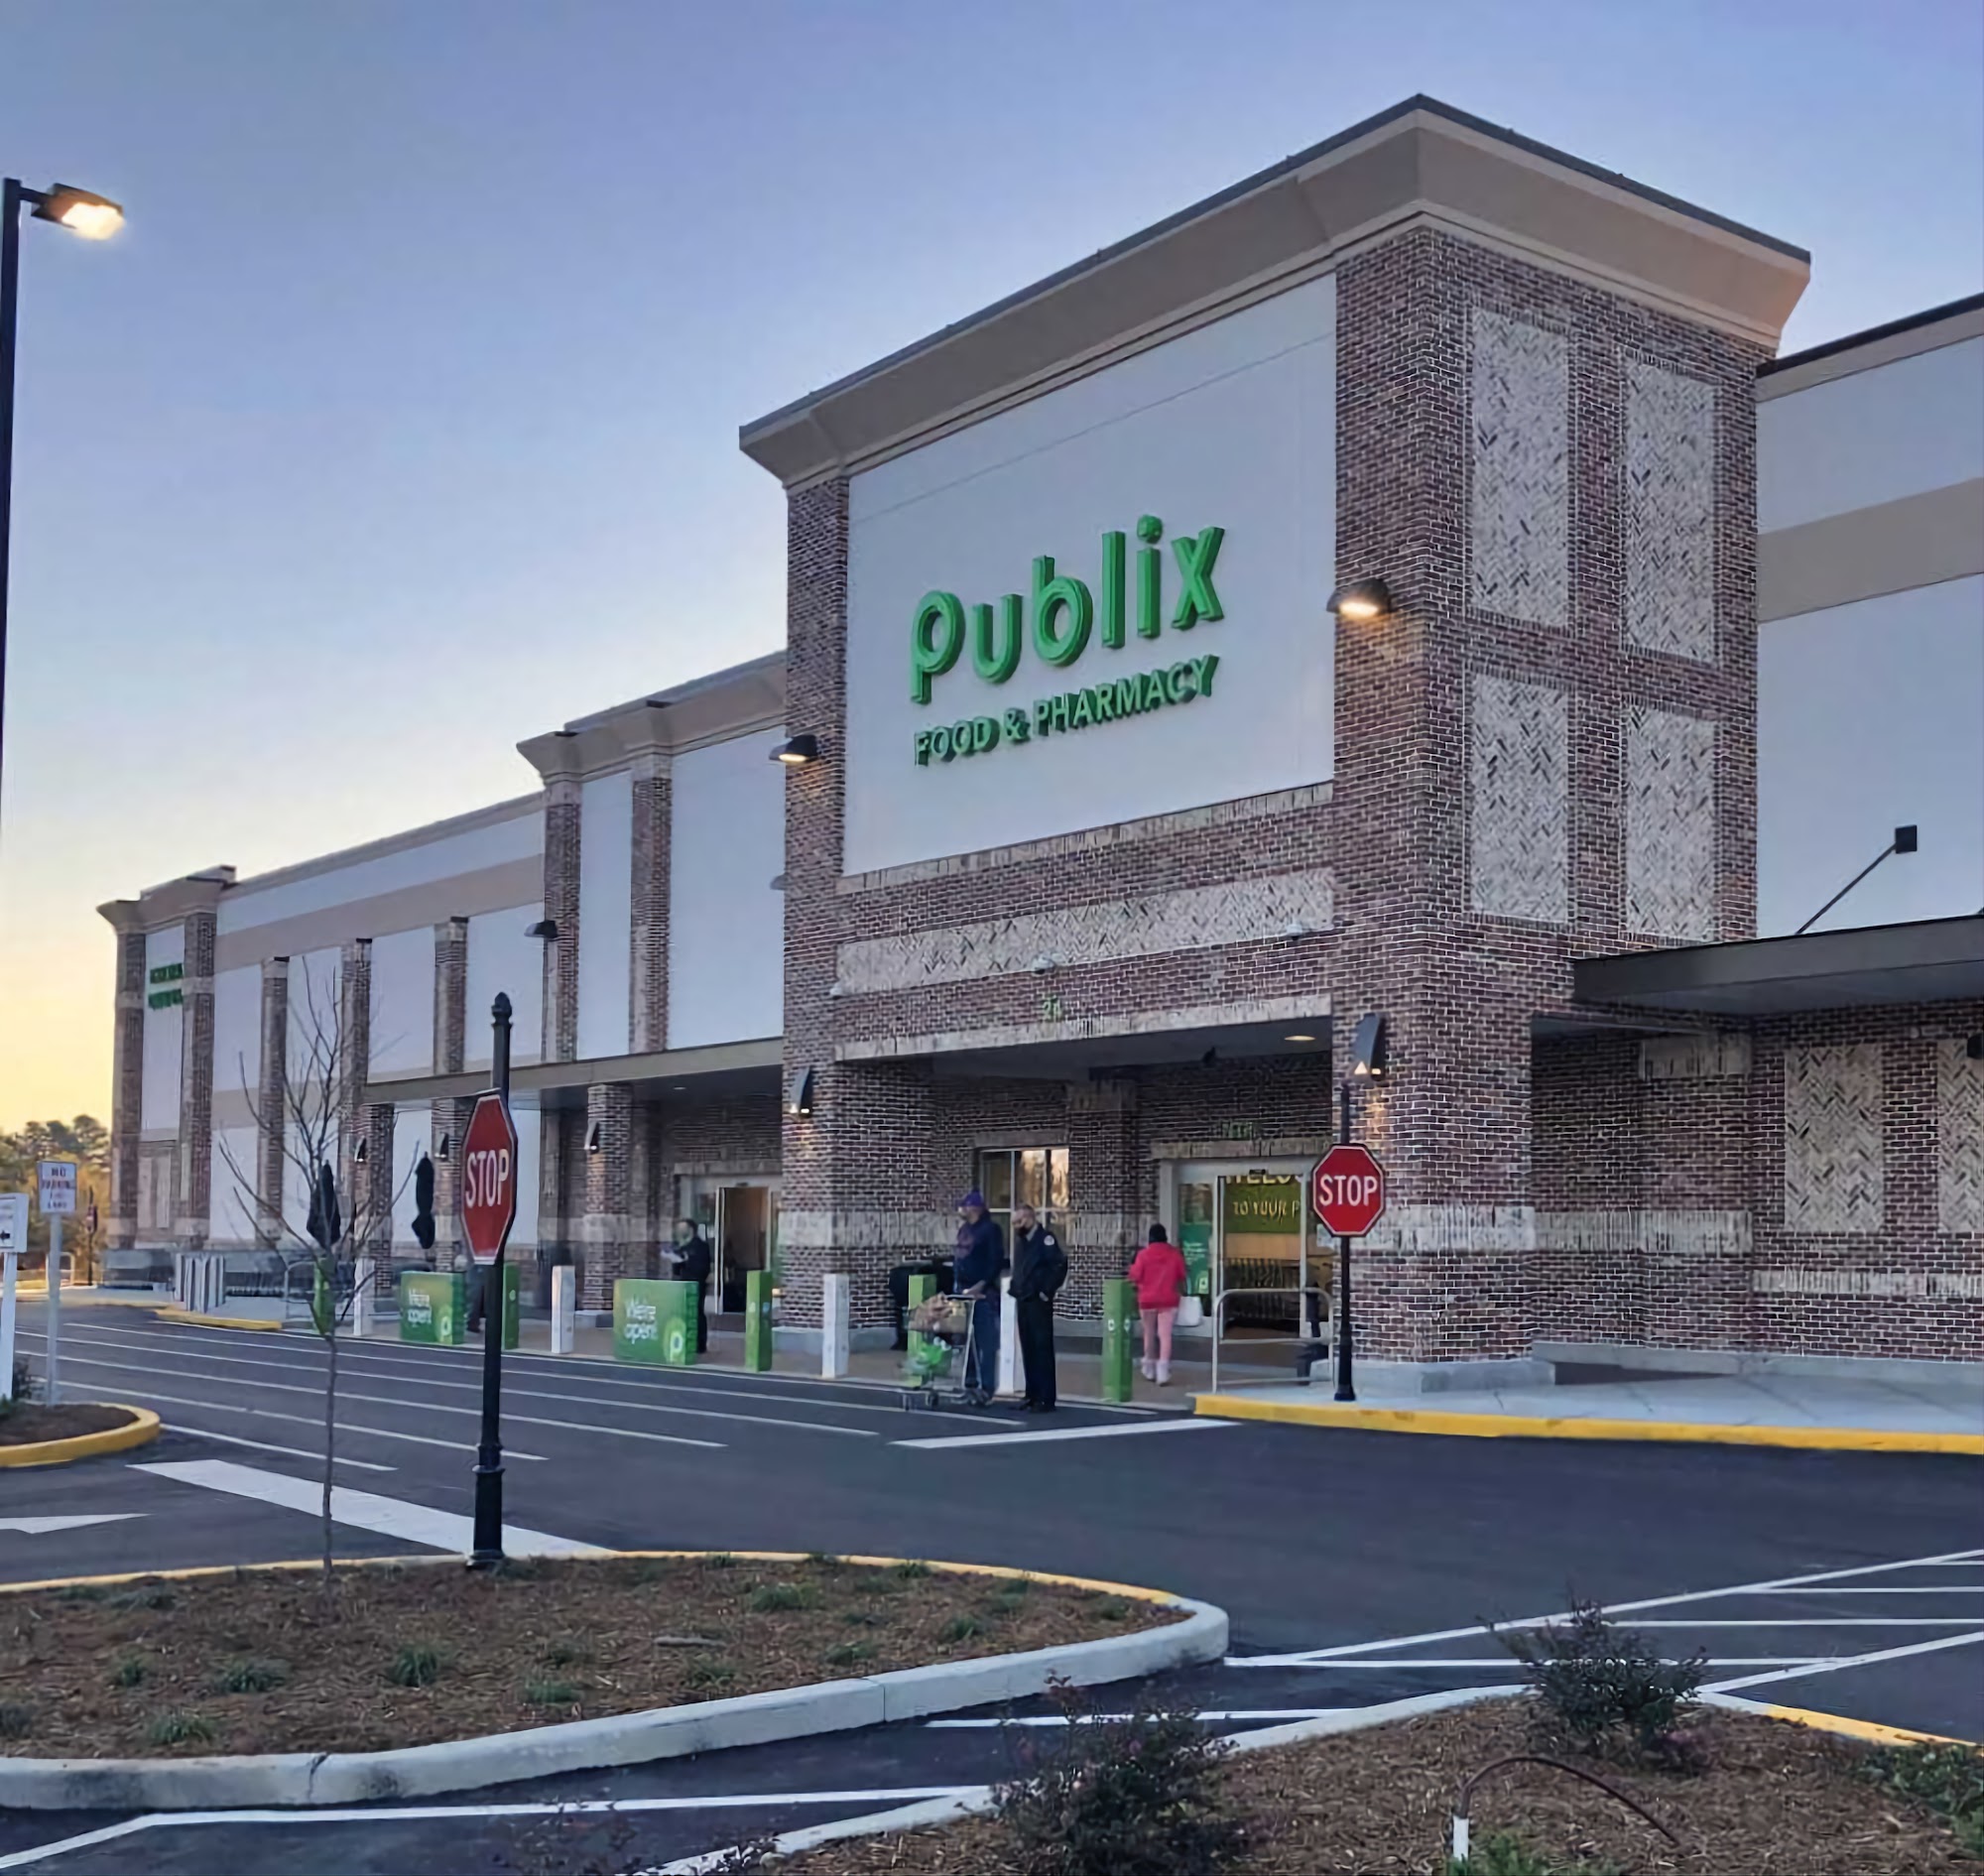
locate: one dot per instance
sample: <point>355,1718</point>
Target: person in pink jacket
<point>1158,1272</point>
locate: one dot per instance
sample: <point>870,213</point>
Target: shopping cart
<point>940,1351</point>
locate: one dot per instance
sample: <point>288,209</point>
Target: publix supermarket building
<point>1406,583</point>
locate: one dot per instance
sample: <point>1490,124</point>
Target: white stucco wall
<point>237,1032</point>
<point>165,1030</point>
<point>232,1200</point>
<point>413,1133</point>
<point>1870,716</point>
<point>501,957</point>
<point>605,913</point>
<point>402,1015</point>
<point>1232,425</point>
<point>726,923</point>
<point>1873,437</point>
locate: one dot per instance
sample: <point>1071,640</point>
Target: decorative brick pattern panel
<point>1959,1138</point>
<point>1671,871</point>
<point>1520,464</point>
<point>450,995</point>
<point>1833,1158</point>
<point>1519,811</point>
<point>653,820</point>
<point>1670,511</point>
<point>127,1089</point>
<point>269,1104</point>
<point>1288,905</point>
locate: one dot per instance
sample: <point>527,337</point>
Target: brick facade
<point>127,1087</point>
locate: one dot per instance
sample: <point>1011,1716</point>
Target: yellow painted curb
<point>1421,1420</point>
<point>186,1574</point>
<point>172,1313</point>
<point>144,1428</point>
<point>1857,1728</point>
<point>90,1295</point>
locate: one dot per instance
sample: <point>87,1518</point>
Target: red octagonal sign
<point>1347,1189</point>
<point>488,1178</point>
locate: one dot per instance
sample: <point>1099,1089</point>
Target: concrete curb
<point>1418,1420</point>
<point>267,1780</point>
<point>172,1313</point>
<point>142,1430</point>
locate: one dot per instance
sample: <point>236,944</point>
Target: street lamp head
<point>94,217</point>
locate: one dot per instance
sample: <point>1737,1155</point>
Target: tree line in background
<point>86,1141</point>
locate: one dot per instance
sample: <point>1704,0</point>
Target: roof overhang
<point>1421,163</point>
<point>720,1071</point>
<point>1875,966</point>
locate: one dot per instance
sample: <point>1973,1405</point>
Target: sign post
<point>488,1211</point>
<point>1348,1191</point>
<point>13,1241</point>
<point>55,1181</point>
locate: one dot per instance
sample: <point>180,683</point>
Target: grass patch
<point>1113,1611</point>
<point>144,1596</point>
<point>82,1593</point>
<point>549,1693</point>
<point>16,1721</point>
<point>711,1674</point>
<point>720,1560</point>
<point>129,1671</point>
<point>962,1628</point>
<point>823,1560</point>
<point>912,1568</point>
<point>565,1652</point>
<point>860,1618</point>
<point>1947,1778</point>
<point>249,1676</point>
<point>850,1654</point>
<point>182,1729</point>
<point>416,1665</point>
<point>780,1599</point>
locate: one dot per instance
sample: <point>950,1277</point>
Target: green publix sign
<point>1066,616</point>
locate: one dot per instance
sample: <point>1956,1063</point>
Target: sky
<point>401,421</point>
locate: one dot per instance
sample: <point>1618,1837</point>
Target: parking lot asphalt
<point>1356,1566</point>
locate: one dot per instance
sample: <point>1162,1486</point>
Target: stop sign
<point>488,1178</point>
<point>1347,1189</point>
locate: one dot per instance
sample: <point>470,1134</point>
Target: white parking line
<point>430,1813</point>
<point>292,1453</point>
<point>1780,1585</point>
<point>512,1391</point>
<point>945,1443</point>
<point>1849,1661</point>
<point>362,1511</point>
<point>1234,1717</point>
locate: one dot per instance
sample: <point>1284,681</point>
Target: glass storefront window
<point>1024,1176</point>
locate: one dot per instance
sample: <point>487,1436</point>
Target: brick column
<point>449,1120</point>
<point>609,1231</point>
<point>196,1084</point>
<point>271,1164</point>
<point>556,1183</point>
<point>375,1183</point>
<point>651,833</point>
<point>561,844</point>
<point>450,995</point>
<point>127,1085</point>
<point>1107,1174</point>
<point>352,1062</point>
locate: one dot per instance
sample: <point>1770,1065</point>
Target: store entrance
<point>740,1218</point>
<point>1249,1228</point>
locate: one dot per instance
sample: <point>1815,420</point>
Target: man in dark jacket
<point>981,1256</point>
<point>1039,1267</point>
<point>693,1262</point>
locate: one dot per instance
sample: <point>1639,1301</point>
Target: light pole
<point>94,217</point>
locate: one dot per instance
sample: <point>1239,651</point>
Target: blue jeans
<point>982,1372</point>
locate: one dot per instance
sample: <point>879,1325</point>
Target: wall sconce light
<point>1368,1048</point>
<point>798,1097</point>
<point>440,1150</point>
<point>592,1138</point>
<point>1361,600</point>
<point>798,751</point>
<point>546,929</point>
<point>359,1153</point>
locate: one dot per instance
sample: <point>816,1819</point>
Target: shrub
<point>823,1560</point>
<point>850,1654</point>
<point>711,1674</point>
<point>780,1598</point>
<point>1947,1778</point>
<point>24,1386</point>
<point>144,1596</point>
<point>549,1693</point>
<point>129,1671</point>
<point>416,1665</point>
<point>182,1729</point>
<point>565,1653</point>
<point>962,1628</point>
<point>16,1721</point>
<point>913,1568</point>
<point>250,1677</point>
<point>720,1560</point>
<point>1112,1610</point>
<point>1131,1797</point>
<point>1596,1681</point>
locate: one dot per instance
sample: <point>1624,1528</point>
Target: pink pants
<point>1157,1328</point>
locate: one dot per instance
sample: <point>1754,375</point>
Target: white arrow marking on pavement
<point>40,1527</point>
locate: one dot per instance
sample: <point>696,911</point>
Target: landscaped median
<point>53,1435</point>
<point>410,1677</point>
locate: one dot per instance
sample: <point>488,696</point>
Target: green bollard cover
<point>758,1322</point>
<point>513,1304</point>
<point>636,1319</point>
<point>920,1290</point>
<point>1120,1326</point>
<point>433,1307</point>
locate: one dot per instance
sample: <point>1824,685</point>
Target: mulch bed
<point>153,1668</point>
<point>25,1423</point>
<point>1776,1800</point>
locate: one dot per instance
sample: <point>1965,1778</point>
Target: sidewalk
<point>1765,1410</point>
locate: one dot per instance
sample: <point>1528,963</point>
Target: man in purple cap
<point>981,1256</point>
